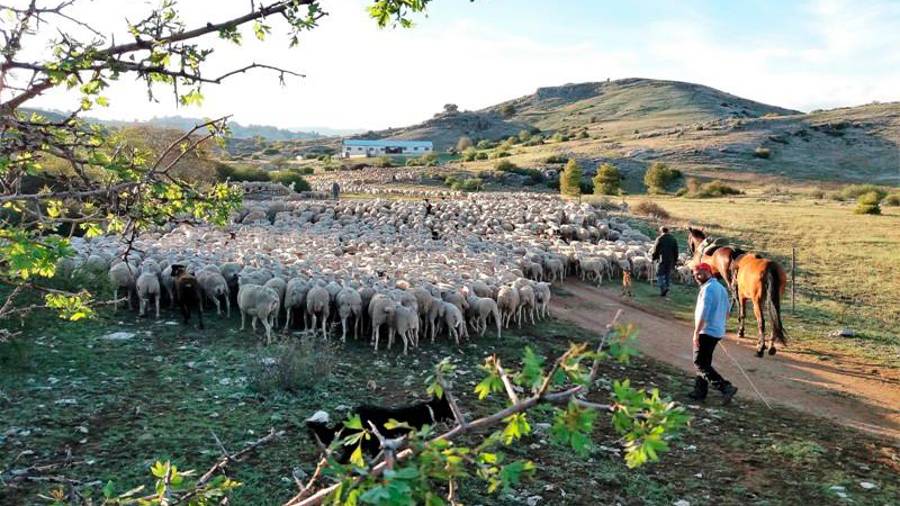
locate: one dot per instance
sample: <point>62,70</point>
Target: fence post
<point>793,275</point>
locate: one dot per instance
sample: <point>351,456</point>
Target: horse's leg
<point>761,327</point>
<point>742,315</point>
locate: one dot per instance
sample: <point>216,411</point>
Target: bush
<point>555,159</point>
<point>762,152</point>
<point>469,154</point>
<point>713,189</point>
<point>500,154</point>
<point>383,161</point>
<point>472,184</point>
<point>287,178</point>
<point>817,194</point>
<point>650,208</point>
<point>608,180</point>
<point>464,143</point>
<point>271,151</point>
<point>484,144</point>
<point>659,177</point>
<point>239,173</point>
<point>855,191</point>
<point>506,166</point>
<point>570,179</point>
<point>306,170</point>
<point>481,155</point>
<point>293,367</point>
<point>524,136</point>
<point>891,200</point>
<point>508,110</point>
<point>867,203</point>
<point>559,137</point>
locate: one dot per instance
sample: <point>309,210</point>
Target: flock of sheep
<point>417,270</point>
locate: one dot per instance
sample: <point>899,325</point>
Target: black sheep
<point>187,293</point>
<point>415,415</point>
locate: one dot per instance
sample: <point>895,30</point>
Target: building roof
<point>387,142</point>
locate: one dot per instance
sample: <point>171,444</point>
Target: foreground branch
<point>542,396</point>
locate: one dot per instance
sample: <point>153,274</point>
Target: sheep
<point>435,316</point>
<point>279,285</point>
<point>187,293</point>
<point>121,275</point>
<point>318,306</point>
<point>481,308</point>
<point>453,319</point>
<point>294,298</point>
<point>148,286</point>
<point>215,286</point>
<point>405,322</point>
<point>508,303</point>
<point>260,303</point>
<point>349,304</point>
<point>542,299</point>
<point>381,309</point>
<point>168,283</point>
<point>527,303</point>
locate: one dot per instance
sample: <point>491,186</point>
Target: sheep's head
<point>178,270</point>
<point>319,417</point>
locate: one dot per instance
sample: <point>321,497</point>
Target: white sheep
<point>214,286</point>
<point>349,304</point>
<point>318,306</point>
<point>121,276</point>
<point>148,286</point>
<point>261,303</point>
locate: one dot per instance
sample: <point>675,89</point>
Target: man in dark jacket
<point>665,251</point>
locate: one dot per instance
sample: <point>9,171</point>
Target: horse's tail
<point>773,301</point>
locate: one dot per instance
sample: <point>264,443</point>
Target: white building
<point>354,148</point>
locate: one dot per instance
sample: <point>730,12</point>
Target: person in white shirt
<point>709,327</point>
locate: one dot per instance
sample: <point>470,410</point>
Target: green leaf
<point>356,458</point>
<point>532,374</point>
<point>516,427</point>
<point>354,422</point>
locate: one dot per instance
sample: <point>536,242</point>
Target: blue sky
<point>804,54</point>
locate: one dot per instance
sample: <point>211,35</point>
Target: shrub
<point>891,200</point>
<point>867,203</point>
<point>429,160</point>
<point>271,151</point>
<point>608,180</point>
<point>506,166</point>
<point>469,154</point>
<point>467,185</point>
<point>484,144</point>
<point>570,180</point>
<point>559,137</point>
<point>239,173</point>
<point>762,152</point>
<point>817,194</point>
<point>287,178</point>
<point>713,189</point>
<point>659,176</point>
<point>555,159</point>
<point>508,110</point>
<point>500,154</point>
<point>481,155</point>
<point>293,367</point>
<point>854,191</point>
<point>650,208</point>
<point>383,161</point>
<point>524,136</point>
<point>535,140</point>
<point>464,143</point>
<point>306,170</point>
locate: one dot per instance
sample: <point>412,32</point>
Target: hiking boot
<point>728,393</point>
<point>664,293</point>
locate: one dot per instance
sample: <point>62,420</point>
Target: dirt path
<point>826,389</point>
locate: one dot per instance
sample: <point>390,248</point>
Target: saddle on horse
<point>710,245</point>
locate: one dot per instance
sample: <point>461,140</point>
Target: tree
<point>608,180</point>
<point>659,176</point>
<point>508,110</point>
<point>464,143</point>
<point>451,108</point>
<point>101,184</point>
<point>524,136</point>
<point>570,181</point>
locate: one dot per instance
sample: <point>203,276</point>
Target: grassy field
<point>117,405</point>
<point>848,266</point>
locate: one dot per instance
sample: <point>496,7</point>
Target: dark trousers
<point>663,278</point>
<point>703,363</point>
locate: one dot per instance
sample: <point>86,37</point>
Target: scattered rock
<point>844,332</point>
<point>66,402</point>
<point>533,500</point>
<point>867,485</point>
<point>681,502</point>
<point>118,336</point>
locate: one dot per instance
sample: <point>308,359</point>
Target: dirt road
<point>845,394</point>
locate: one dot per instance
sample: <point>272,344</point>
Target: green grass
<point>119,405</point>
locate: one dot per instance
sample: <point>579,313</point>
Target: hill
<point>238,130</point>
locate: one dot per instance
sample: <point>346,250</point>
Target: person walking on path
<point>709,327</point>
<point>335,190</point>
<point>665,251</point>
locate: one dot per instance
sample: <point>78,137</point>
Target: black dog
<point>415,415</point>
<point>187,293</point>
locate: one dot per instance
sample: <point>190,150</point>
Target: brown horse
<point>749,276</point>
